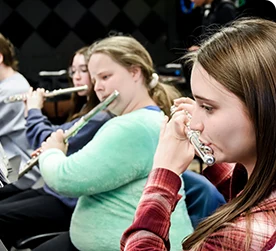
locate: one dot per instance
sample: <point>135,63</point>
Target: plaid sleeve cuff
<point>164,180</point>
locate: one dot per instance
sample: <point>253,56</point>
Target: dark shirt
<point>218,13</point>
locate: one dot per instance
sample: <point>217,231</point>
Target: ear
<point>1,58</point>
<point>135,72</point>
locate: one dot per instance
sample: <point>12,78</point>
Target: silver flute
<point>72,131</point>
<point>204,152</point>
<point>48,94</point>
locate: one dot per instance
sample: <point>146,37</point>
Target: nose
<point>77,75</point>
<point>98,86</point>
<point>196,122</point>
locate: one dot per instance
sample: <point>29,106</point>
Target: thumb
<point>60,135</point>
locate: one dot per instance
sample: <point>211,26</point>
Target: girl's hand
<point>174,150</point>
<point>35,99</point>
<point>184,103</point>
<point>56,140</point>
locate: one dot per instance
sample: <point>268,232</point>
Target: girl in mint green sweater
<point>109,173</point>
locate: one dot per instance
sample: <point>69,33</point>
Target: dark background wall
<point>47,32</point>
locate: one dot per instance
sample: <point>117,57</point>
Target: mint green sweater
<point>108,176</point>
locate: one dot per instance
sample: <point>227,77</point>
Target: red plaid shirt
<point>151,224</point>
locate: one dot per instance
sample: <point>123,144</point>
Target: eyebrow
<point>79,65</point>
<point>201,98</point>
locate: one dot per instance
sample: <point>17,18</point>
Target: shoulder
<point>19,77</point>
<point>139,119</point>
<point>141,124</point>
<point>16,83</point>
<point>263,220</point>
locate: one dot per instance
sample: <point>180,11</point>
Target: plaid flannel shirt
<point>151,224</point>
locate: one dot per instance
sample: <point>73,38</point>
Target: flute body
<point>48,94</point>
<point>204,152</point>
<point>74,129</point>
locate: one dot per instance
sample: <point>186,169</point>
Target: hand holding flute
<point>46,94</point>
<point>56,140</point>
<point>68,133</point>
<point>177,142</point>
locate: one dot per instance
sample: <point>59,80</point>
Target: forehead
<point>78,59</point>
<point>100,62</point>
<point>203,85</point>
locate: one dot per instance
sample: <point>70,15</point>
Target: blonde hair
<point>128,52</point>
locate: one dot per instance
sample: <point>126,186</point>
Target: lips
<point>204,143</point>
<point>104,97</point>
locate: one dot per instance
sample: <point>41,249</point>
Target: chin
<point>82,94</point>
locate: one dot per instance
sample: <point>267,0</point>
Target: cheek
<point>87,80</point>
<point>233,136</point>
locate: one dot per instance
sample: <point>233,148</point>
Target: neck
<point>138,105</point>
<point>249,166</point>
<point>5,72</point>
<point>140,99</point>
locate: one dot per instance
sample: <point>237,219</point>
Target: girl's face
<point>108,76</point>
<point>221,118</point>
<point>79,74</point>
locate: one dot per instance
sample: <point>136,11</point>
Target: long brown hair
<point>128,52</point>
<point>242,58</point>
<point>81,105</point>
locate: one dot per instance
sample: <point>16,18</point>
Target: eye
<point>83,68</point>
<point>71,71</point>
<point>105,77</point>
<point>207,108</point>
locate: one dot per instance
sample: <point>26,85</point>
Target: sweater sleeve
<point>150,228</point>
<point>12,114</point>
<point>38,127</point>
<point>103,164</point>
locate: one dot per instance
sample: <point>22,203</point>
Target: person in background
<point>12,121</point>
<point>43,209</point>
<point>214,14</point>
<point>233,83</point>
<point>109,173</point>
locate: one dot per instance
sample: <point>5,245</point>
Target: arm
<point>220,176</point>
<point>149,230</point>
<point>12,114</point>
<point>11,118</point>
<point>38,127</point>
<point>271,243</point>
<point>92,169</point>
<point>151,224</point>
